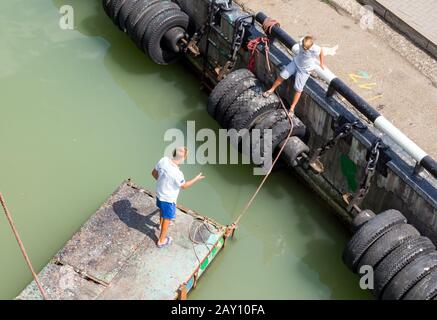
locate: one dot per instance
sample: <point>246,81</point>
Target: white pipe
<point>400,138</point>
<point>326,74</point>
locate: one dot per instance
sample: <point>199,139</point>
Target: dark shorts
<point>168,210</point>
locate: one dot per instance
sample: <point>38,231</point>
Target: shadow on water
<point>130,216</point>
<point>91,20</point>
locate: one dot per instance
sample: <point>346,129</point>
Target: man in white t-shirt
<point>170,180</point>
<point>303,63</point>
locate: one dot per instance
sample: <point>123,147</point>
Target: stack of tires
<point>156,26</point>
<point>237,102</point>
<point>404,262</point>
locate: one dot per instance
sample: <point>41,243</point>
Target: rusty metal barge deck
<point>114,254</point>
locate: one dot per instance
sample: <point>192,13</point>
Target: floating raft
<point>114,255</point>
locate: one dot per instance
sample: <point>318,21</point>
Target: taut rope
<point>23,250</point>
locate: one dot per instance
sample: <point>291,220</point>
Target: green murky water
<point>82,110</point>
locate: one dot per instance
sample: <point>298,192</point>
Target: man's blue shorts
<point>168,209</point>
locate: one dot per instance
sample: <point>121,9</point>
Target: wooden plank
<point>112,234</point>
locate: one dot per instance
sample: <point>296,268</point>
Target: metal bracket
<point>417,169</point>
<point>225,5</point>
<point>240,26</point>
<point>182,292</point>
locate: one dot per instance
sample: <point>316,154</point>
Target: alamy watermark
<point>367,280</point>
<point>224,147</point>
<point>66,21</point>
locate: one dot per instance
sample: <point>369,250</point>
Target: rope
<point>268,25</point>
<point>23,250</point>
<point>252,45</point>
<point>249,203</point>
<point>193,236</point>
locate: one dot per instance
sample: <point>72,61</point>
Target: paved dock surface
<point>114,255</point>
<point>366,61</point>
<point>420,15</point>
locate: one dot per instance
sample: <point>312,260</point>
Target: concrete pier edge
<point>389,17</point>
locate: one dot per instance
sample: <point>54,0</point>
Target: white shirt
<point>306,59</point>
<point>170,180</point>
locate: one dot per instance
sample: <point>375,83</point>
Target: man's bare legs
<point>275,85</point>
<point>164,227</point>
<point>296,98</point>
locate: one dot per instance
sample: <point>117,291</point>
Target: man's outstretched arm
<point>190,183</point>
<point>322,59</point>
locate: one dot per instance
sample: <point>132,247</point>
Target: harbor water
<point>84,109</point>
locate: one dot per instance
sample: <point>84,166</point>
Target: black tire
<point>425,289</point>
<point>280,126</point>
<point>294,149</point>
<point>156,8</point>
<point>268,120</point>
<point>262,123</point>
<point>139,9</point>
<point>362,218</point>
<point>226,108</point>
<point>226,84</point>
<point>280,132</point>
<point>398,259</point>
<point>397,235</point>
<point>251,108</point>
<point>107,7</point>
<point>173,38</point>
<point>368,234</point>
<point>125,11</point>
<point>409,276</point>
<point>115,10</point>
<point>153,36</point>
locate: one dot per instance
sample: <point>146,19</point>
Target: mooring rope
<point>249,203</point>
<point>268,25</point>
<point>23,250</point>
<point>252,46</point>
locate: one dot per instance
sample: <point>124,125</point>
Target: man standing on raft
<point>303,63</point>
<point>170,180</point>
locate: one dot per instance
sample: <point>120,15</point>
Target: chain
<point>239,33</point>
<point>369,172</point>
<point>192,45</point>
<point>344,131</point>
